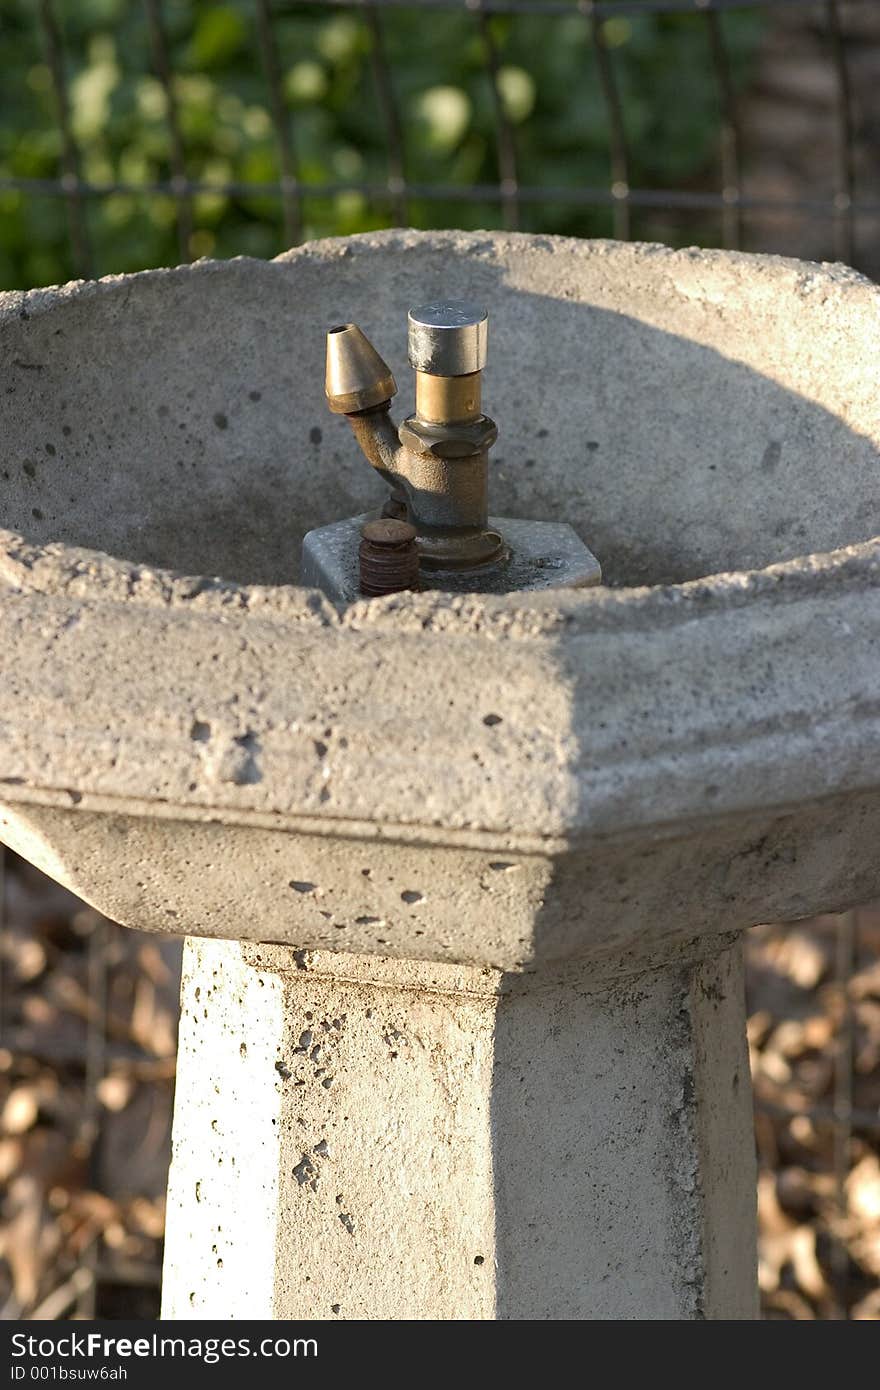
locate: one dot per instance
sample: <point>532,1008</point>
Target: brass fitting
<point>437,461</point>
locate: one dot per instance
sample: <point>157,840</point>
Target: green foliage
<point>548,85</point>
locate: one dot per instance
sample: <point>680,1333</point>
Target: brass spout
<point>359,383</point>
<point>436,462</point>
<point>356,377</point>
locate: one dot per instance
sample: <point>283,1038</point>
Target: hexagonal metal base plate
<point>543,555</point>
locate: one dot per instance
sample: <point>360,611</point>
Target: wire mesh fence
<point>725,193</point>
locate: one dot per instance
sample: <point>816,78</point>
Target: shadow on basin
<point>177,419</point>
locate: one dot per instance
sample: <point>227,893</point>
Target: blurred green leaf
<point>219,35</point>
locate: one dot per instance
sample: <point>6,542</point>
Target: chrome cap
<point>448,337</point>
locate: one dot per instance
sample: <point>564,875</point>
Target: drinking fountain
<point>464,872</point>
<point>437,466</point>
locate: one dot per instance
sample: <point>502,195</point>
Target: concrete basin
<point>693,746</point>
<point>611,781</point>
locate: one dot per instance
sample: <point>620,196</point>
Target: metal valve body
<point>436,465</point>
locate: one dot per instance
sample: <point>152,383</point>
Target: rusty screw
<point>389,559</point>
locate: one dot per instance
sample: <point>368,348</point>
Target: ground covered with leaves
<point>814,1037</point>
<point>87,1054</point>
<point>86,1085</point>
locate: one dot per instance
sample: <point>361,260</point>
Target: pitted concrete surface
<point>392,1141</point>
<point>708,728</point>
<point>503,841</point>
<point>687,412</point>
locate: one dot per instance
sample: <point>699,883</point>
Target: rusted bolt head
<point>389,557</point>
<point>388,530</point>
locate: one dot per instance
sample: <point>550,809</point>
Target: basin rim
<point>812,569</point>
<point>573,795</point>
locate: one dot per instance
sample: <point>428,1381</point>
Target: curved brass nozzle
<point>436,463</point>
<point>356,376</point>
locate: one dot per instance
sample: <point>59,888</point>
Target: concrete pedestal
<point>579,793</point>
<point>365,1138</point>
